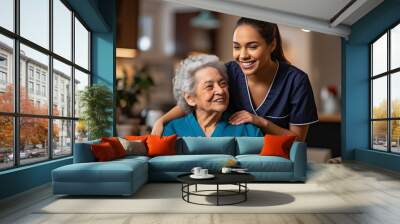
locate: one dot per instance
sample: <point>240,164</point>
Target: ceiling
<point>326,16</point>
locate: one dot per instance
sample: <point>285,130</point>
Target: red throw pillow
<point>116,145</point>
<point>160,146</point>
<point>135,138</point>
<point>277,145</point>
<point>103,151</point>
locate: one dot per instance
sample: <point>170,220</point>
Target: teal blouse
<point>188,126</point>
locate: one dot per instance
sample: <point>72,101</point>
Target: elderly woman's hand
<point>244,116</point>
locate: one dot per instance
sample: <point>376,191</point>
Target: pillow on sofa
<point>205,145</point>
<point>159,146</point>
<point>103,151</point>
<point>277,145</point>
<point>142,138</point>
<point>116,145</point>
<point>136,147</point>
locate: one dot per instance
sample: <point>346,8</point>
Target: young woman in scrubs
<point>265,89</point>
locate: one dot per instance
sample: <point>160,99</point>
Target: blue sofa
<point>125,176</point>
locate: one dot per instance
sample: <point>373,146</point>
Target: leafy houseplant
<point>96,102</point>
<point>128,92</point>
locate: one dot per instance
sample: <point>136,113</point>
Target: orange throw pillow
<point>161,146</point>
<point>103,152</point>
<point>277,145</point>
<point>135,138</point>
<point>116,145</point>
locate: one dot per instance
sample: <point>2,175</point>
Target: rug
<point>166,198</point>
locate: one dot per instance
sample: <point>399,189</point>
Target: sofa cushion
<point>257,163</point>
<point>111,171</point>
<point>161,145</point>
<point>103,152</point>
<point>204,145</point>
<point>249,145</point>
<point>83,153</point>
<point>185,163</point>
<point>116,145</point>
<point>277,145</point>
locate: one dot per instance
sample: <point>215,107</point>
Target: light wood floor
<point>378,188</point>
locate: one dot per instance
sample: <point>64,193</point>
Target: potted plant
<point>96,102</point>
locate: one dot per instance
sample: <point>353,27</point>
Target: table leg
<point>196,188</point>
<point>217,194</point>
<point>245,193</point>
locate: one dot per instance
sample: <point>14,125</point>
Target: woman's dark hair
<point>269,32</point>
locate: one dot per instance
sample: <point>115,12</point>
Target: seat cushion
<point>257,163</point>
<point>185,163</point>
<point>111,171</point>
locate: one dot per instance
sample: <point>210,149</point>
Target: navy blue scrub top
<point>290,99</point>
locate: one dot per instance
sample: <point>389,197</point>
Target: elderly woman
<point>201,89</point>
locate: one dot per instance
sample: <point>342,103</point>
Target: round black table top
<point>220,178</point>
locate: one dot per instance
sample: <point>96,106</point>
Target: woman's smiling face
<point>211,91</point>
<point>250,50</point>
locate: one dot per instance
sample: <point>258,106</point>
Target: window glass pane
<point>33,139</point>
<point>379,135</point>
<point>395,47</point>
<point>395,136</point>
<point>6,142</point>
<point>81,81</point>
<point>34,72</point>
<point>395,95</point>
<point>6,74</point>
<point>7,14</point>
<point>35,21</point>
<point>62,138</point>
<point>81,45</point>
<point>81,131</point>
<point>379,55</point>
<point>62,29</point>
<point>62,89</point>
<point>379,97</point>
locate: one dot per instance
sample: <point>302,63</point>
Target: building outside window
<point>57,126</point>
<point>30,87</point>
<point>385,91</point>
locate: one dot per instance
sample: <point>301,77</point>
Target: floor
<point>378,188</point>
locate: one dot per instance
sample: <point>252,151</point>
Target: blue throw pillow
<point>205,145</point>
<point>249,145</point>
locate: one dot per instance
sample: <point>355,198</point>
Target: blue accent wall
<point>355,84</point>
<point>103,53</point>
<point>100,16</point>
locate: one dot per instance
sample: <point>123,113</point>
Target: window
<point>385,94</point>
<point>7,14</point>
<point>30,72</point>
<point>46,90</point>
<point>43,90</point>
<point>30,87</point>
<point>38,89</point>
<point>3,72</point>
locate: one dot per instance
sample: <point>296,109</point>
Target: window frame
<point>16,114</point>
<point>388,74</point>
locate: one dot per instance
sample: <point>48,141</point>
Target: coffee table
<point>238,179</point>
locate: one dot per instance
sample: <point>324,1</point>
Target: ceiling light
<point>305,30</point>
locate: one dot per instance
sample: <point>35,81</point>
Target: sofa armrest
<point>83,152</point>
<point>298,155</point>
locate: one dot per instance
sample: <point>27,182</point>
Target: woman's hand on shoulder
<point>244,116</point>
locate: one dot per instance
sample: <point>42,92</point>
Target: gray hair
<point>184,80</point>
